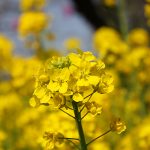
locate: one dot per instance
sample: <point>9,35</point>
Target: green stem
<point>88,100</point>
<point>99,137</point>
<point>122,18</point>
<point>67,113</point>
<point>79,125</point>
<point>70,138</point>
<point>74,144</point>
<point>84,116</point>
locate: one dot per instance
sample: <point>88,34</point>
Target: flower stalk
<point>99,137</point>
<point>79,125</point>
<point>122,18</point>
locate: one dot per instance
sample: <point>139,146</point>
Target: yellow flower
<point>106,84</point>
<point>58,62</point>
<point>59,80</point>
<point>135,58</point>
<point>10,103</point>
<point>94,108</point>
<point>78,97</point>
<point>58,100</point>
<point>72,43</point>
<point>72,77</point>
<point>41,96</point>
<point>107,41</point>
<point>117,125</point>
<point>38,22</point>
<point>40,92</point>
<point>6,48</point>
<point>53,140</point>
<point>138,37</point>
<point>22,72</point>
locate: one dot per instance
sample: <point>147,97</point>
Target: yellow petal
<point>94,80</point>
<point>82,82</point>
<point>63,88</point>
<point>88,56</point>
<point>77,97</point>
<point>75,59</point>
<point>34,102</point>
<point>53,86</point>
<point>46,98</point>
<point>110,88</point>
<point>65,74</point>
<point>39,92</point>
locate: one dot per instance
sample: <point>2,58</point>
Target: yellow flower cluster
<point>93,108</point>
<point>53,139</point>
<point>138,37</point>
<point>13,100</point>
<point>22,72</point>
<point>131,68</point>
<point>122,56</point>
<point>117,125</point>
<point>132,60</point>
<point>78,79</point>
<point>32,23</point>
<point>26,5</point>
<point>71,77</point>
<point>107,40</point>
<point>56,130</point>
<point>6,48</point>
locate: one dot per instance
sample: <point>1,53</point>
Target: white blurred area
<point>66,23</point>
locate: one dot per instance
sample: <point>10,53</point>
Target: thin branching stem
<point>75,145</point>
<point>67,113</point>
<point>122,16</point>
<point>69,138</point>
<point>99,137</point>
<point>84,116</point>
<point>69,108</point>
<point>90,95</point>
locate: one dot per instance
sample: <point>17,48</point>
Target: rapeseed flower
<point>138,37</point>
<point>38,22</point>
<point>71,77</point>
<point>117,125</point>
<point>53,140</point>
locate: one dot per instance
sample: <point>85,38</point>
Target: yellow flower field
<point>77,99</point>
